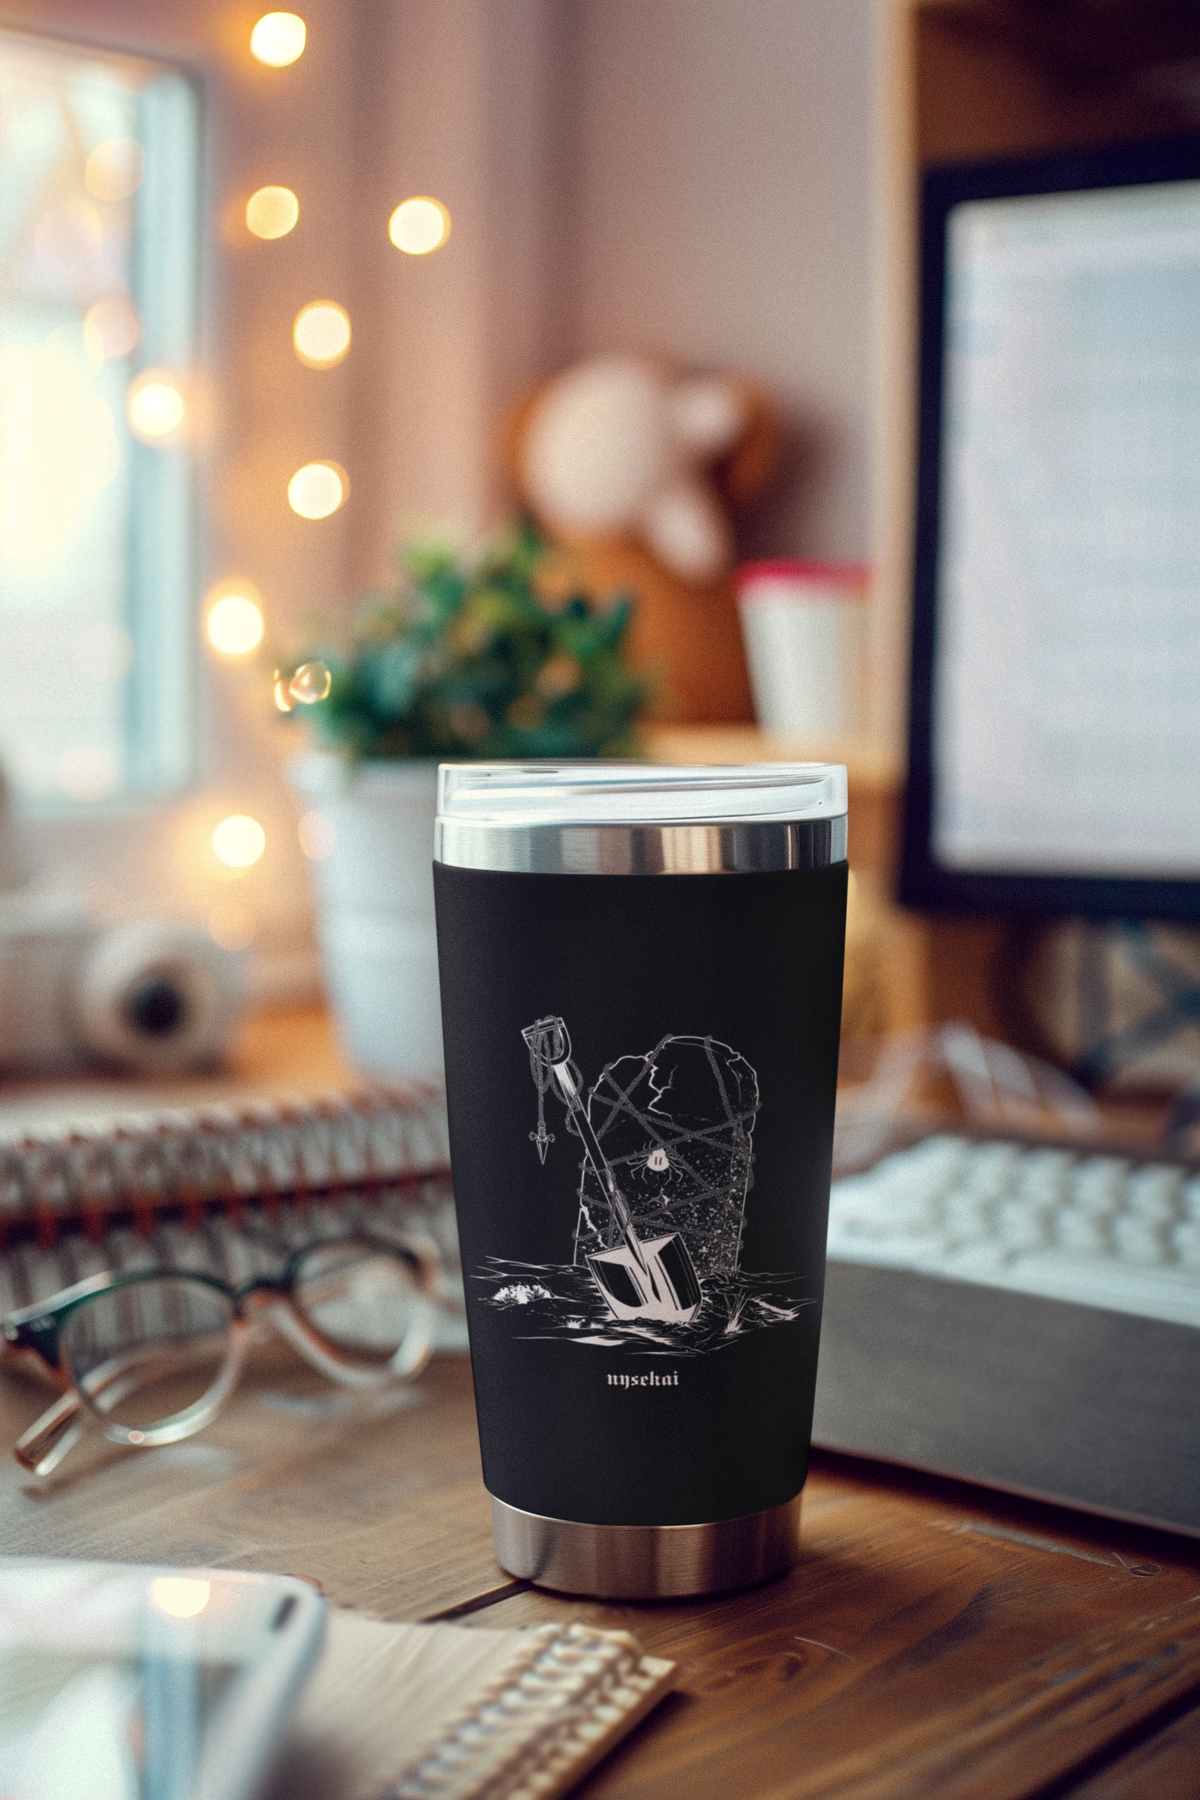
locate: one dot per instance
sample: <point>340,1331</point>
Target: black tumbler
<point>641,973</point>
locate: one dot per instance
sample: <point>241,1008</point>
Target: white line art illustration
<point>541,1069</point>
<point>667,1141</point>
<point>654,1280</point>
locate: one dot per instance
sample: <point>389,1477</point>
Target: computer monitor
<point>1055,692</point>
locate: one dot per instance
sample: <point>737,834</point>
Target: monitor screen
<point>1055,712</point>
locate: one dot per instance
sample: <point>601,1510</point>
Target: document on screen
<point>1067,662</point>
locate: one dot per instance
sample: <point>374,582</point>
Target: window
<point>98,248</point>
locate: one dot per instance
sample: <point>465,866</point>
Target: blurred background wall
<point>690,176</point>
<point>722,210</point>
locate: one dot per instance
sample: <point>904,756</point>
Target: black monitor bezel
<point>925,883</point>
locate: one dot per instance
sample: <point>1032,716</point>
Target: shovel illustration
<point>651,1280</point>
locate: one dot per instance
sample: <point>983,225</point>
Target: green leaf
<point>447,662</point>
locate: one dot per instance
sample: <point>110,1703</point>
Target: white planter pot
<point>374,903</point>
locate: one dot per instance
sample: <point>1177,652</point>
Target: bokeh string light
<point>321,334</point>
<point>233,621</point>
<point>318,489</point>
<point>278,39</point>
<point>271,212</point>
<point>419,225</point>
<point>239,841</point>
<point>154,406</point>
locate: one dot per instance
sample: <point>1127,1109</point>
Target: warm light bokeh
<point>310,683</point>
<point>114,169</point>
<point>278,39</point>
<point>419,225</point>
<point>154,406</point>
<point>233,623</point>
<point>272,212</point>
<point>232,926</point>
<point>321,334</point>
<point>239,841</point>
<point>111,329</point>
<point>318,489</point>
<point>180,1596</point>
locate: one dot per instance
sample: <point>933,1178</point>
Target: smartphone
<point>125,1683</point>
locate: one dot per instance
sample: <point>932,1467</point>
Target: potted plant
<point>492,657</point>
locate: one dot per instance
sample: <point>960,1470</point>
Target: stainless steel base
<point>646,1562</point>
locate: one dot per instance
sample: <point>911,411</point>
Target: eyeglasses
<point>152,1356</point>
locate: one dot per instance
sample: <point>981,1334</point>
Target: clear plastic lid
<point>626,793</point>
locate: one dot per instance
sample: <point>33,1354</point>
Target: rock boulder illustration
<point>676,1127</point>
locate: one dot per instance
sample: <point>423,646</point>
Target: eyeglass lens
<point>360,1298</point>
<point>146,1352</point>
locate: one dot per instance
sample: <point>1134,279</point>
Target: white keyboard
<point>1098,1230</point>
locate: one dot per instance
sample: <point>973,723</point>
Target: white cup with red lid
<point>804,627</point>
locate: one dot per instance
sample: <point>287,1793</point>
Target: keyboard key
<point>1100,1230</point>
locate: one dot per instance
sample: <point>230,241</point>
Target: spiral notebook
<point>414,1712</point>
<point>393,1712</point>
<point>226,1189</point>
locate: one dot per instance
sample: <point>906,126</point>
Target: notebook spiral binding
<point>547,1716</point>
<point>220,1155</point>
<point>226,1189</point>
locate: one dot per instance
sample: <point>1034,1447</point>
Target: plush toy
<point>632,467</point>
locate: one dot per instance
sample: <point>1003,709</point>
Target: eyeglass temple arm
<point>48,1439</point>
<point>43,1446</point>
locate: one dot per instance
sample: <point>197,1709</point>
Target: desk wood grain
<point>932,1642</point>
<point>1165,1765</point>
<point>387,1511</point>
<point>935,1641</point>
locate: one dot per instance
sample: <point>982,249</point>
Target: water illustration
<point>565,1301</point>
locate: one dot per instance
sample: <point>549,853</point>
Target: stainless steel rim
<point>752,847</point>
<point>646,1562</point>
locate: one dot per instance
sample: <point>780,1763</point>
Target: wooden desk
<point>936,1640</point>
